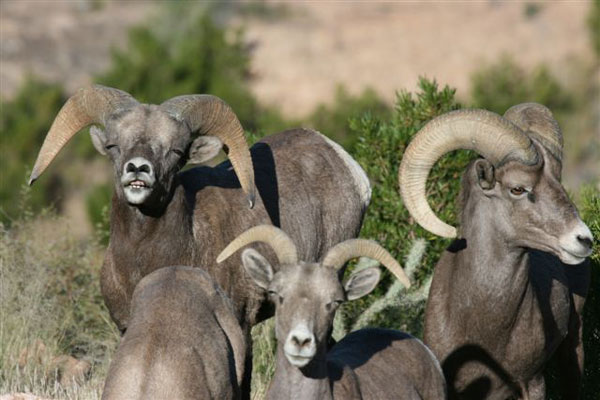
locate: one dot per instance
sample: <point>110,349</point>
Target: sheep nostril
<point>130,168</point>
<point>301,342</point>
<point>144,168</point>
<point>585,241</point>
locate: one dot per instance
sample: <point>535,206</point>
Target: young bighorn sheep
<point>308,185</point>
<point>369,363</point>
<point>503,299</point>
<point>183,341</point>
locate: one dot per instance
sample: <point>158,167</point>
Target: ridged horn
<point>90,105</point>
<point>209,115</point>
<point>337,256</point>
<point>489,134</point>
<point>538,123</point>
<point>280,242</point>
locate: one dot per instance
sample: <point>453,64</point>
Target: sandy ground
<point>389,45</point>
<point>300,57</point>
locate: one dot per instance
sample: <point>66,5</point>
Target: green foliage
<point>379,150</point>
<point>590,212</point>
<point>264,348</point>
<point>24,122</point>
<point>531,10</point>
<point>501,85</point>
<point>334,120</point>
<point>98,210</point>
<point>197,58</point>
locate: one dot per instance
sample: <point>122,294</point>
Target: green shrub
<point>590,212</point>
<point>334,120</point>
<point>98,210</point>
<point>501,85</point>
<point>379,150</point>
<point>24,122</point>
<point>198,57</point>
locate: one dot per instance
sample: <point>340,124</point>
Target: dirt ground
<point>303,52</point>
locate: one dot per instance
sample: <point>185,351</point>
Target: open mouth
<point>137,184</point>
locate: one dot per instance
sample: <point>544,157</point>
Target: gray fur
<point>502,302</point>
<point>183,341</point>
<point>367,364</point>
<point>306,187</point>
<point>187,217</point>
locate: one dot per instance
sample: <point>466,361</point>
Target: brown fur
<point>366,364</point>
<point>501,301</point>
<point>303,187</point>
<point>183,341</point>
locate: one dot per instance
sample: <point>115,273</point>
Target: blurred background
<point>285,64</point>
<point>356,71</point>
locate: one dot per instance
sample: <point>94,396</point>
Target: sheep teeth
<point>137,184</point>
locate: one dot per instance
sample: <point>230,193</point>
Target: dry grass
<point>51,298</point>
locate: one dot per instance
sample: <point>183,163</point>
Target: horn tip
<point>222,257</point>
<point>251,198</point>
<point>32,178</point>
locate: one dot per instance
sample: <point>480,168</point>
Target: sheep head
<point>306,295</point>
<point>148,144</point>
<point>517,182</point>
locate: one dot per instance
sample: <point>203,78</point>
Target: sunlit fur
<point>367,364</point>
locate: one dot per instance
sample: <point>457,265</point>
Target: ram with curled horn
<point>161,215</point>
<point>509,291</point>
<point>366,364</point>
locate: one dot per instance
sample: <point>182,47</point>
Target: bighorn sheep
<point>502,300</point>
<point>308,185</point>
<point>369,363</point>
<point>183,341</point>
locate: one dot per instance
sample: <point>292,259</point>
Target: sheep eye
<point>178,152</point>
<point>110,146</point>
<point>518,191</point>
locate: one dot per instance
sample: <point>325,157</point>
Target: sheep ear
<point>485,174</point>
<point>362,283</point>
<point>259,269</point>
<point>204,148</point>
<point>98,139</point>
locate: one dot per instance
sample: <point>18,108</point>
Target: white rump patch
<point>361,181</point>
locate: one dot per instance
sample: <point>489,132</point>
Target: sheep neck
<point>148,242</point>
<point>310,382</point>
<point>495,271</point>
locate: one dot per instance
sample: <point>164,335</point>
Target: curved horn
<point>337,256</point>
<point>494,137</point>
<point>280,242</point>
<point>90,105</point>
<point>209,115</point>
<point>538,123</point>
